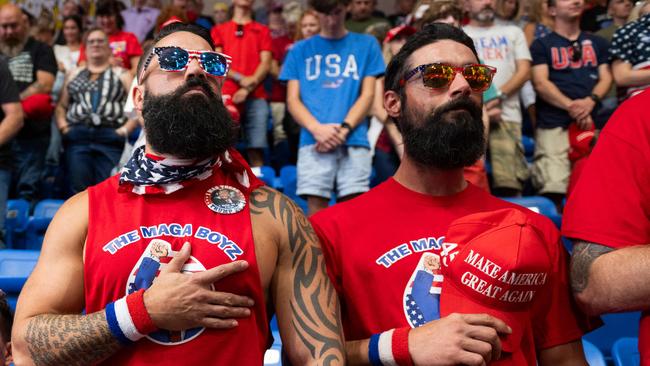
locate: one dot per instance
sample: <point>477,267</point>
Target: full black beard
<point>451,137</point>
<point>188,126</point>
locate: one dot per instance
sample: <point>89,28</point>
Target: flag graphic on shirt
<point>422,293</point>
<point>154,258</point>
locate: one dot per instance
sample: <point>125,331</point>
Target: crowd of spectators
<point>307,85</point>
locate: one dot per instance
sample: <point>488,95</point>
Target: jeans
<point>29,155</point>
<point>255,122</point>
<point>90,154</point>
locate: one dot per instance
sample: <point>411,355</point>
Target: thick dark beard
<point>451,137</point>
<point>191,126</point>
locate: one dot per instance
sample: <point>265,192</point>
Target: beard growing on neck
<point>451,137</point>
<point>194,126</point>
<point>12,47</point>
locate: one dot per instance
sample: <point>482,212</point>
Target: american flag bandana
<point>148,174</point>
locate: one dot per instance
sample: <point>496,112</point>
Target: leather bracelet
<point>346,125</point>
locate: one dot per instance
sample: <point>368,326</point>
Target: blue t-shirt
<point>330,73</point>
<point>574,79</point>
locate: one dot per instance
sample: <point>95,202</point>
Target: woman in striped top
<point>90,115</point>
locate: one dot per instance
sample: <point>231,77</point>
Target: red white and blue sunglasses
<point>176,59</point>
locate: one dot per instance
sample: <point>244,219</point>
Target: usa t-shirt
<point>330,73</point>
<point>575,79</point>
<point>375,245</point>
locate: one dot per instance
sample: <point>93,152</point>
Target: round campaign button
<point>225,199</point>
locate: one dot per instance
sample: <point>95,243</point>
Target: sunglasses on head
<point>176,59</point>
<point>440,76</point>
<point>576,51</point>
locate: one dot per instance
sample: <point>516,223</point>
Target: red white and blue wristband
<point>128,319</point>
<point>390,348</point>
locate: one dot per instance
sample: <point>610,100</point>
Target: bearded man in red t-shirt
<point>377,245</point>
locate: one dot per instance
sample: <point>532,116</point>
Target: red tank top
<point>131,237</point>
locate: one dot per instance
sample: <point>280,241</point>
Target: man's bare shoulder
<point>70,221</point>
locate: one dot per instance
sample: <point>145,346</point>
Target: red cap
<point>402,30</point>
<point>500,266</point>
<point>579,141</point>
<point>38,107</point>
<point>171,20</point>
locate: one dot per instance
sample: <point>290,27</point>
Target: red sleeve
<point>82,54</point>
<point>216,37</point>
<point>611,202</point>
<point>133,48</point>
<point>557,319</point>
<point>329,251</point>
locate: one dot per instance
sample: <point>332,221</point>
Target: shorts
<point>509,167</point>
<point>551,167</point>
<point>347,167</point>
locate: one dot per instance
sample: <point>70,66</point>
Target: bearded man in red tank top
<point>183,256</point>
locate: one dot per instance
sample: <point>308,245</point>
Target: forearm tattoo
<point>584,254</point>
<point>314,304</point>
<point>70,339</point>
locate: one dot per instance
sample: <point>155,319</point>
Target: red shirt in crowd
<point>611,201</point>
<point>244,47</point>
<point>280,46</point>
<point>124,45</point>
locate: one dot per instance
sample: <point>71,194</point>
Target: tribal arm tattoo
<point>315,311</point>
<point>584,255</point>
<point>70,339</point>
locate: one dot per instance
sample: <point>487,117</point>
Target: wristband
<point>390,348</point>
<point>373,350</point>
<point>346,125</point>
<point>128,319</point>
<point>401,346</point>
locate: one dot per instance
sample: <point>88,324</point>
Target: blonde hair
<point>298,33</point>
<point>635,13</point>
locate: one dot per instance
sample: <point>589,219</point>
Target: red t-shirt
<point>611,202</point>
<point>124,46</point>
<point>373,246</point>
<point>245,50</point>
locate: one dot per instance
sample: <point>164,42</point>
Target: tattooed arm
<point>47,328</point>
<point>607,280</point>
<point>305,300</point>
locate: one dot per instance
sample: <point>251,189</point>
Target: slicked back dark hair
<point>431,33</point>
<point>184,27</point>
<point>326,6</point>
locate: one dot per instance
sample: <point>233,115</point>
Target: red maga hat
<point>402,30</point>
<point>501,265</point>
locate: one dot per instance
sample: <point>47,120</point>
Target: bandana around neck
<point>149,174</point>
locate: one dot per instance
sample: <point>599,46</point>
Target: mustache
<point>460,103</point>
<point>195,82</point>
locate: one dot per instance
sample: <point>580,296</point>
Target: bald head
<point>13,29</point>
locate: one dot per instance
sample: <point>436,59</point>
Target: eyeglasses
<point>176,59</point>
<point>240,31</point>
<point>440,76</point>
<point>100,41</point>
<point>576,51</point>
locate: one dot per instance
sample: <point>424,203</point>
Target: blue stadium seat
<point>593,355</point>
<point>15,267</point>
<point>539,204</point>
<point>267,174</point>
<point>619,325</point>
<point>15,221</point>
<point>625,352</point>
<point>273,355</point>
<point>289,181</point>
<point>38,223</point>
